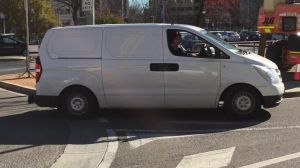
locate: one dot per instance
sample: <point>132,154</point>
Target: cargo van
<point>81,69</point>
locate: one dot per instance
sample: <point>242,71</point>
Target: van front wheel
<point>77,104</point>
<point>242,102</point>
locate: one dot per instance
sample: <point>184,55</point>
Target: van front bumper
<point>43,101</point>
<point>272,101</point>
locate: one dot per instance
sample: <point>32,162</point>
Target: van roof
<point>128,25</point>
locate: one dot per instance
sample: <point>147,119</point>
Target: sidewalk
<point>18,83</point>
<point>26,85</point>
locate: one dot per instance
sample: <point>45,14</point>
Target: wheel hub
<point>77,103</point>
<point>243,103</point>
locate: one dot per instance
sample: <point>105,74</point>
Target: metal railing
<point>251,44</point>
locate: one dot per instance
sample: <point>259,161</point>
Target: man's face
<point>177,39</point>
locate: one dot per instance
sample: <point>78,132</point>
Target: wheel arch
<point>239,85</point>
<point>79,87</point>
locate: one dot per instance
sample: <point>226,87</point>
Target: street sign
<point>87,5</point>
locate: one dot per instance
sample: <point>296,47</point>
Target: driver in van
<point>174,42</point>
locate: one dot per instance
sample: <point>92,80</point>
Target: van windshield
<point>219,41</point>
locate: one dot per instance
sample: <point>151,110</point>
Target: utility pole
<point>2,16</point>
<point>3,23</point>
<point>27,41</point>
<point>152,18</point>
<point>162,11</point>
<point>248,15</point>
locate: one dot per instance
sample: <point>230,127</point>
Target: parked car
<point>218,34</point>
<point>10,45</point>
<point>254,36</point>
<point>233,36</point>
<point>277,37</point>
<point>250,36</point>
<point>190,41</point>
<point>81,69</point>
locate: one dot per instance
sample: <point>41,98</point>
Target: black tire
<point>78,103</point>
<point>274,52</point>
<point>242,102</point>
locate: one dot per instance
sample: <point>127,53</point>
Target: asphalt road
<point>30,136</point>
<point>36,137</point>
<point>179,138</point>
<point>10,65</point>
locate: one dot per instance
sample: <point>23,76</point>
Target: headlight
<point>271,75</point>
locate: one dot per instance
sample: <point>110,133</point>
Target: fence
<point>253,45</point>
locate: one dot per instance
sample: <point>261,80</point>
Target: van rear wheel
<point>78,104</point>
<point>242,102</point>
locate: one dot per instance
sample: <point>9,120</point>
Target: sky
<point>141,1</point>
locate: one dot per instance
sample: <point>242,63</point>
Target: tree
<point>41,17</point>
<point>74,5</point>
<point>136,12</point>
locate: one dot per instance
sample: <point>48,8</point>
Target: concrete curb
<point>291,94</point>
<point>11,58</point>
<point>17,88</point>
<point>87,146</point>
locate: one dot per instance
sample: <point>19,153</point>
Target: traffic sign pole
<point>27,41</point>
<point>89,6</point>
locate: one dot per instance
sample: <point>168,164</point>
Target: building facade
<point>222,14</point>
<point>176,11</point>
<point>212,14</point>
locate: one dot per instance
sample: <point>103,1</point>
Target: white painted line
<point>137,140</point>
<point>212,159</point>
<point>209,130</point>
<point>111,151</point>
<point>209,122</point>
<point>273,161</point>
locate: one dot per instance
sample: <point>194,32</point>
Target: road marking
<point>212,159</point>
<point>210,122</point>
<point>209,130</point>
<point>111,151</point>
<point>137,140</point>
<point>273,161</point>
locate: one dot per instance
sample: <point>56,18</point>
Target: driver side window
<point>186,44</point>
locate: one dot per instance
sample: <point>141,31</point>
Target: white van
<point>84,68</point>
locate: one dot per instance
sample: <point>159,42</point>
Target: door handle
<point>157,67</point>
<point>164,67</point>
<point>171,67</point>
